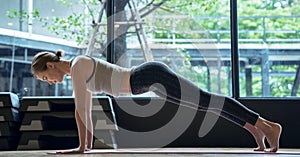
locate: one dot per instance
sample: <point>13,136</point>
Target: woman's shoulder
<point>81,68</point>
<point>81,64</point>
<point>81,59</point>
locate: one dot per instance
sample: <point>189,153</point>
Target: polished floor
<point>165,152</point>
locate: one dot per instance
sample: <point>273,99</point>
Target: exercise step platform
<point>9,107</point>
<point>39,121</point>
<point>58,139</point>
<point>8,143</point>
<point>10,129</point>
<point>62,104</point>
<point>9,135</point>
<point>62,139</point>
<point>35,121</point>
<point>8,99</point>
<point>46,120</point>
<point>9,114</point>
<point>9,121</point>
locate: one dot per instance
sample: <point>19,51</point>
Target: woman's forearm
<point>89,133</point>
<point>81,131</point>
<point>89,123</point>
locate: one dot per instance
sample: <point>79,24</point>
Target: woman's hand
<point>71,151</point>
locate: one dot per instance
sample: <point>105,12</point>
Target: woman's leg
<point>159,78</point>
<point>256,133</point>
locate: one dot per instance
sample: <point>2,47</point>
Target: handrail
<point>223,36</point>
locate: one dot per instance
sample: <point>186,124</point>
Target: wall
<point>223,134</point>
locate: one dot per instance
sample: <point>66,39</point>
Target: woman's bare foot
<point>272,131</point>
<point>260,140</point>
<point>273,137</point>
<point>258,135</point>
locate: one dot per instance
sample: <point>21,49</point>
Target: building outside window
<point>193,38</point>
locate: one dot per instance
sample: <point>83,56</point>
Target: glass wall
<point>269,48</point>
<point>191,37</point>
<point>23,33</point>
<point>7,22</point>
<point>15,74</point>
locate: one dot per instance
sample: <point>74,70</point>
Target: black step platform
<point>47,121</point>
<point>61,104</point>
<point>61,139</point>
<point>9,121</point>
<point>8,99</point>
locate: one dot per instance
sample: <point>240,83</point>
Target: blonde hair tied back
<point>40,59</point>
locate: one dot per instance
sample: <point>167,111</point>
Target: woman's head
<point>43,66</point>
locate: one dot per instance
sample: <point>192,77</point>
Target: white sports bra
<point>106,77</point>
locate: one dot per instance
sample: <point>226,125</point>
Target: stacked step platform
<point>9,121</point>
<point>49,123</point>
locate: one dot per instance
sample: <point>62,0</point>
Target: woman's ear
<point>50,65</point>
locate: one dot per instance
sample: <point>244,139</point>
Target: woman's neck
<point>65,66</point>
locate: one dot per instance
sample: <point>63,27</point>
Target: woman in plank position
<point>94,75</point>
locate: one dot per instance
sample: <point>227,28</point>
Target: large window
<point>192,37</point>
<point>269,48</point>
<point>29,27</point>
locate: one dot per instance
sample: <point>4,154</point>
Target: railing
<point>220,35</point>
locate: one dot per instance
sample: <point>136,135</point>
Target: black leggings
<point>160,79</point>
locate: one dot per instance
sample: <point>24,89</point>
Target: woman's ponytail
<point>59,53</point>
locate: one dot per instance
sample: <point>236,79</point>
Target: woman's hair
<point>39,60</point>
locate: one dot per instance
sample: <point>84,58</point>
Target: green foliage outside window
<point>256,17</point>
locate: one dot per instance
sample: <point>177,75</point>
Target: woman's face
<point>52,75</point>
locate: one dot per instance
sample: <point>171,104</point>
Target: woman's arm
<point>90,129</point>
<point>79,73</point>
<point>80,116</point>
<point>80,91</point>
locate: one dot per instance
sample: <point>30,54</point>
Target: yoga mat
<point>187,151</point>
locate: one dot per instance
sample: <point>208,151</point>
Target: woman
<point>93,75</point>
